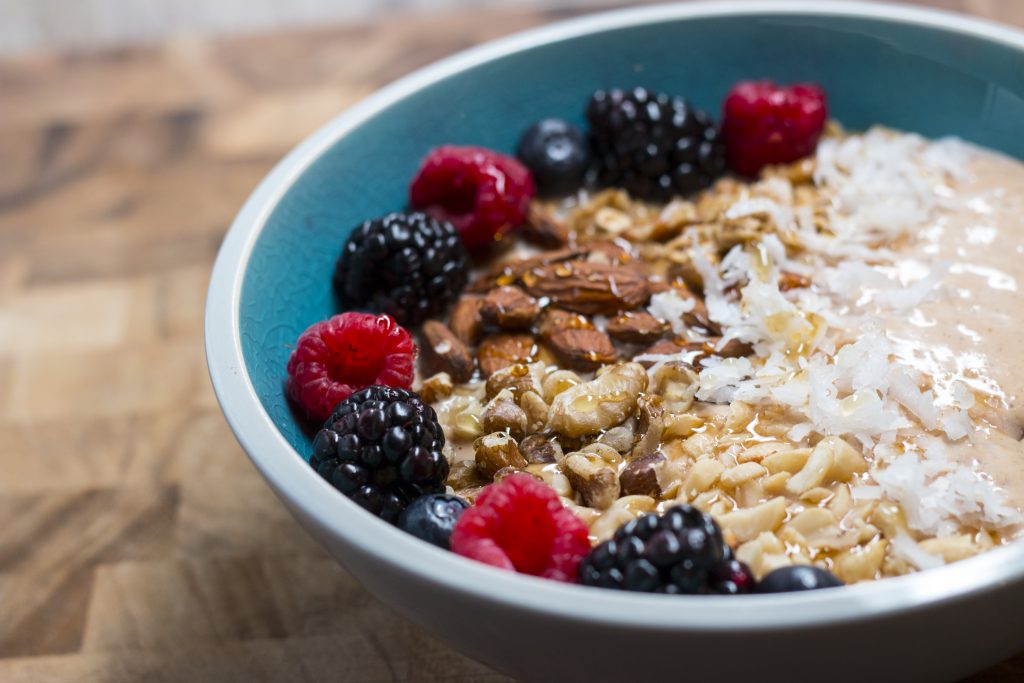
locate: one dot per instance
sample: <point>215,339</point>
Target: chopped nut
<point>508,471</point>
<point>495,452</point>
<point>813,472</point>
<point>464,418</point>
<point>508,272</point>
<point>735,476</point>
<point>680,425</point>
<point>465,320</point>
<point>861,563</point>
<point>553,477</point>
<point>635,327</point>
<point>518,378</point>
<point>436,387</point>
<point>603,451</point>
<point>640,475</point>
<point>589,288</point>
<point>612,220</point>
<point>539,450</point>
<point>536,410</point>
<point>464,474</point>
<point>510,308</point>
<point>788,281</point>
<point>443,352</point>
<point>701,477</point>
<point>598,485</point>
<point>791,461</point>
<point>599,404</point>
<point>651,425</point>
<point>503,350</point>
<point>847,461</point>
<point>502,414</point>
<point>747,523</point>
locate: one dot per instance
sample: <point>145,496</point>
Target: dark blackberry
<point>382,448</point>
<point>408,265</point>
<point>681,552</point>
<point>652,145</point>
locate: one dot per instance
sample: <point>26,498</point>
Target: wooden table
<point>136,541</point>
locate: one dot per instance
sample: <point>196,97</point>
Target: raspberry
<point>336,357</point>
<point>520,524</point>
<point>764,124</point>
<point>482,193</point>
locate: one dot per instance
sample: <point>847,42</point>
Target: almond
<point>443,352</point>
<point>542,227</point>
<point>635,327</point>
<point>510,308</point>
<point>465,321</point>
<point>508,272</point>
<point>503,350</point>
<point>589,288</point>
<point>581,349</point>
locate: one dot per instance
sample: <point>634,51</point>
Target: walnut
<point>464,474</point>
<point>443,352</point>
<point>640,475</point>
<point>536,410</point>
<point>600,404</point>
<point>518,378</point>
<point>677,384</point>
<point>509,308</point>
<point>589,288</point>
<point>509,471</point>
<point>635,327</point>
<point>495,452</point>
<point>503,414</point>
<point>436,387</point>
<point>465,320</point>
<point>539,450</point>
<point>620,438</point>
<point>502,350</point>
<point>652,425</point>
<point>557,382</point>
<point>597,484</point>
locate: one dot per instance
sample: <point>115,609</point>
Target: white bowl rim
<point>295,481</point>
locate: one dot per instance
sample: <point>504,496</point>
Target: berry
<point>763,123</point>
<point>520,524</point>
<point>336,357</point>
<point>482,193</point>
<point>557,155</point>
<point>433,517</point>
<point>407,265</point>
<point>797,577</point>
<point>382,448</point>
<point>653,145</point>
<point>680,552</point>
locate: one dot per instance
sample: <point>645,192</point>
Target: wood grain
<point>136,540</point>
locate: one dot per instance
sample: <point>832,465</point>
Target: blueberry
<point>557,155</point>
<point>799,577</point>
<point>433,517</point>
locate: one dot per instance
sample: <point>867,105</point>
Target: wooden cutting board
<point>136,541</point>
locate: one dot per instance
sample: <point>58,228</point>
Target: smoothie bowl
<point>628,345</point>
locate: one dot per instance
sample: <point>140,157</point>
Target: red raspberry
<point>351,351</point>
<point>521,525</point>
<point>482,193</point>
<point>764,124</point>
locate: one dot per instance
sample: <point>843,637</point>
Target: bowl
<point>924,71</point>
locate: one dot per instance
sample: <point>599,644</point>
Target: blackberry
<point>382,448</point>
<point>653,145</point>
<point>408,265</point>
<point>681,552</point>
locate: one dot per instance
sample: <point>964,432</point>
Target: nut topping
<point>504,350</point>
<point>635,327</point>
<point>596,483</point>
<point>466,320</point>
<point>510,308</point>
<point>589,288</point>
<point>640,475</point>
<point>599,404</point>
<point>443,352</point>
<point>495,452</point>
<point>582,349</point>
<point>539,450</point>
<point>503,414</point>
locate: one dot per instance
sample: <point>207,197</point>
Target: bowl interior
<point>911,77</point>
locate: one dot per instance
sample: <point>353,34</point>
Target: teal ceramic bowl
<point>933,73</point>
